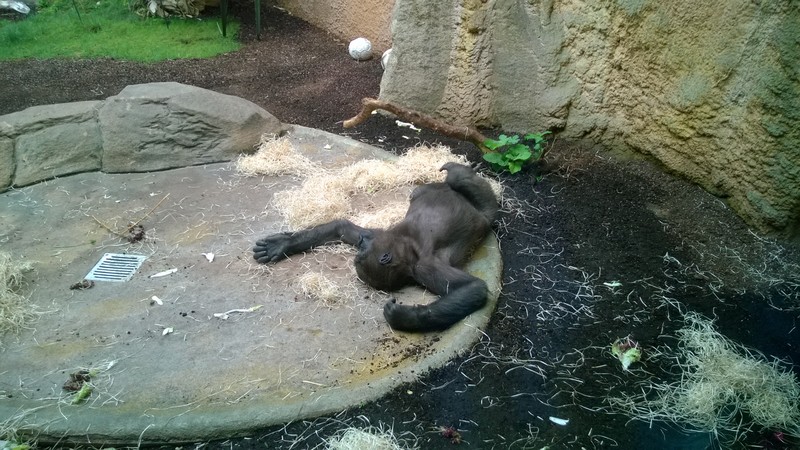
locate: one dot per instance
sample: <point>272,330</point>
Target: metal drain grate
<point>116,267</point>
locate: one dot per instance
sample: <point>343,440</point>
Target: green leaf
<point>509,139</point>
<point>514,167</point>
<point>536,137</point>
<point>518,152</point>
<point>495,158</point>
<point>491,144</point>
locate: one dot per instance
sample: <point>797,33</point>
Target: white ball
<point>360,49</point>
<point>385,58</point>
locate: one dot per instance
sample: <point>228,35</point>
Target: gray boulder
<point>51,141</point>
<point>165,125</point>
<point>146,127</point>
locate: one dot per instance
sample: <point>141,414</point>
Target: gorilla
<point>444,224</point>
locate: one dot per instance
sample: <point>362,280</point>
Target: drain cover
<point>115,267</point>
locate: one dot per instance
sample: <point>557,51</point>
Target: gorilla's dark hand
<point>403,318</point>
<point>272,248</point>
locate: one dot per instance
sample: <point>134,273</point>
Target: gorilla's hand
<point>402,317</point>
<point>272,248</point>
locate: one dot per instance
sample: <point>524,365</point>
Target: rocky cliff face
<point>709,88</point>
<point>347,19</point>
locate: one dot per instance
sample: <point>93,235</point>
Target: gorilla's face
<point>379,261</point>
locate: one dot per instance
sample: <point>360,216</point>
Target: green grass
<point>107,28</point>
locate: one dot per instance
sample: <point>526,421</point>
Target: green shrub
<point>511,153</point>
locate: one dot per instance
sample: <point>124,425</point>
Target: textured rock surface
<point>711,89</point>
<point>58,150</point>
<point>50,141</point>
<point>347,19</point>
<point>165,125</point>
<point>146,127</point>
<point>7,163</point>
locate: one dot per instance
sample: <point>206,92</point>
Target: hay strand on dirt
<point>723,387</point>
<point>369,438</point>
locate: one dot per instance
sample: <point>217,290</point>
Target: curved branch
<point>419,119</point>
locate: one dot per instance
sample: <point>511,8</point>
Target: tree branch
<point>419,119</point>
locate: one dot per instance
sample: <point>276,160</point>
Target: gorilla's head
<point>381,261</point>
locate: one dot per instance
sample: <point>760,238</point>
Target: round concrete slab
<point>165,366</point>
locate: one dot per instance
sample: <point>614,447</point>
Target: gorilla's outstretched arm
<point>279,246</point>
<point>460,294</point>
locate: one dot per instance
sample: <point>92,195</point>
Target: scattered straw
<point>320,200</point>
<point>421,164</point>
<point>275,156</point>
<point>15,309</point>
<point>370,175</point>
<point>326,196</point>
<point>321,288</point>
<point>369,438</point>
<point>723,387</point>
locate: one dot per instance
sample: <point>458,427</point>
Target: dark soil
<point>582,218</point>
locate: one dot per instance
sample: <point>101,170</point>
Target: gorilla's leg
<point>463,180</point>
<point>279,246</point>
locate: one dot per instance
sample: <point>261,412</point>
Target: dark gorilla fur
<point>444,224</point>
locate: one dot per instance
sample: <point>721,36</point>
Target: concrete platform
<point>173,371</point>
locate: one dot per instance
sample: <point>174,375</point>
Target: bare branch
<point>419,119</point>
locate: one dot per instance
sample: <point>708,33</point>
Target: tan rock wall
<point>347,19</point>
<point>710,88</point>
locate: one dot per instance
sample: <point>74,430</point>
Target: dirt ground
<point>596,246</point>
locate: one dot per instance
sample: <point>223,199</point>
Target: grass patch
<point>109,29</point>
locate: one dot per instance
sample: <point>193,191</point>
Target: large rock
<point>58,150</point>
<point>7,164</point>
<point>164,125</point>
<point>50,141</point>
<point>711,89</point>
<point>146,127</point>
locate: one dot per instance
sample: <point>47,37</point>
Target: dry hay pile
<point>723,386</point>
<point>275,156</point>
<point>15,309</point>
<point>327,194</point>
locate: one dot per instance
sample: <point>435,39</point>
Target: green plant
<point>511,153</point>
